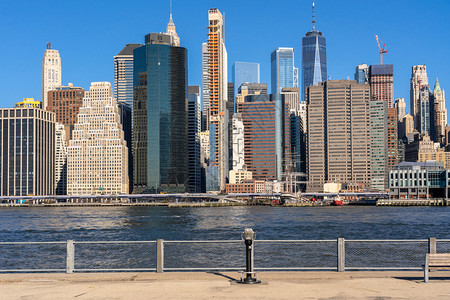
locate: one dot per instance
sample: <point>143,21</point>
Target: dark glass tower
<point>314,58</point>
<point>162,69</point>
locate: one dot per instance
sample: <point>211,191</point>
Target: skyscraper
<point>378,144</point>
<point>400,105</point>
<point>60,160</point>
<point>338,133</point>
<point>160,134</point>
<point>426,112</point>
<point>51,72</point>
<point>97,160</point>
<point>243,72</point>
<point>419,79</point>
<point>218,90</point>
<point>27,152</point>
<point>381,80</point>
<point>123,74</point>
<point>314,57</point>
<point>205,81</point>
<point>362,74</point>
<point>194,113</point>
<point>65,102</point>
<point>392,137</point>
<point>267,148</point>
<point>440,112</point>
<point>284,73</point>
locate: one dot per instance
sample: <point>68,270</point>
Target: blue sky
<point>89,33</point>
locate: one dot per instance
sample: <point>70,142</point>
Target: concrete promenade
<point>200,285</point>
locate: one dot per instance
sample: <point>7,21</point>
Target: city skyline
<point>341,58</point>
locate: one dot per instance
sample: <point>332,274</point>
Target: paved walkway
<point>199,285</point>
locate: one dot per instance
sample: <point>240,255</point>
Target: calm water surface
<point>150,223</point>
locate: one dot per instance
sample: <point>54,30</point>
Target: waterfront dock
<point>413,202</point>
<point>217,285</point>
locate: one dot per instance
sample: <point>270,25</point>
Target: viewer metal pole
<point>70,259</point>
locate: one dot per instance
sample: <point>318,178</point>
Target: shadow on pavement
<point>225,276</point>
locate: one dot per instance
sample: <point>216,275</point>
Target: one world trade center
<point>314,57</point>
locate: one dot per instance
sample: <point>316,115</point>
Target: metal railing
<point>226,255</point>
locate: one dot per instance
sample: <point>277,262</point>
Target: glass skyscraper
<point>162,69</point>
<point>314,59</point>
<point>284,73</point>
<point>244,72</point>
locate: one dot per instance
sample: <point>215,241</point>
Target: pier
<point>412,202</point>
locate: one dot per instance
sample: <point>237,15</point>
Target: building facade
<point>400,105</point>
<point>160,116</point>
<point>314,58</point>
<point>283,71</point>
<point>362,73</point>
<point>194,118</point>
<point>218,91</point>
<point>97,160</point>
<point>379,144</point>
<point>392,137</point>
<point>381,80</point>
<point>65,102</point>
<point>440,113</point>
<point>27,152</point>
<point>238,142</point>
<point>51,72</point>
<point>419,180</point>
<point>339,133</point>
<point>60,160</point>
<point>123,74</point>
<point>419,79</point>
<point>267,149</point>
<point>243,72</point>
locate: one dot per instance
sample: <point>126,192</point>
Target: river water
<point>43,224</point>
<point>150,223</point>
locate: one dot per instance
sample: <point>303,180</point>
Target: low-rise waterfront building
<point>415,180</point>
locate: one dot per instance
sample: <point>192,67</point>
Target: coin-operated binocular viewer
<point>249,276</point>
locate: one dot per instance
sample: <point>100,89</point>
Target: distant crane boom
<point>382,50</point>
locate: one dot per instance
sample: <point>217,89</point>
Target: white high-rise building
<point>440,112</point>
<point>419,79</point>
<point>97,154</point>
<point>238,142</point>
<point>400,105</point>
<point>51,72</point>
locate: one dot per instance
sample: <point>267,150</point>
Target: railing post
<point>70,259</point>
<point>159,256</point>
<point>340,255</point>
<point>432,245</point>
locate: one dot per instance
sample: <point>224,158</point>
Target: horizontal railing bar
<point>382,268</point>
<point>443,241</point>
<point>33,270</point>
<point>216,241</point>
<point>103,270</point>
<point>30,243</point>
<point>114,242</point>
<point>187,269</point>
<point>388,241</point>
<point>295,241</point>
<point>298,268</point>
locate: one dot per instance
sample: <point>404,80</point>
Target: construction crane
<point>382,50</point>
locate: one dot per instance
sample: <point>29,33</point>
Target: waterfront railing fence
<point>217,255</point>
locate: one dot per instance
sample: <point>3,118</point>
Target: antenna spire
<point>171,9</point>
<point>313,17</point>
